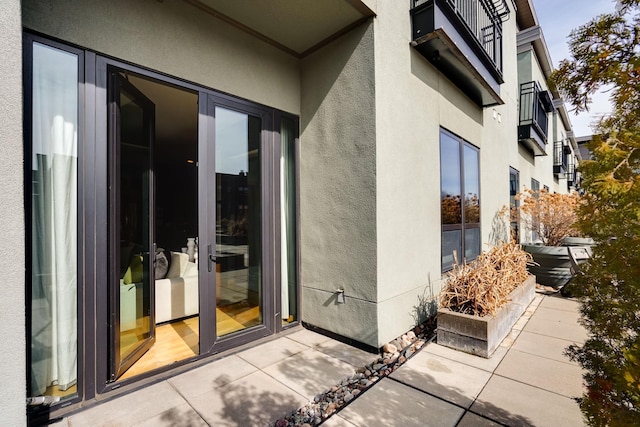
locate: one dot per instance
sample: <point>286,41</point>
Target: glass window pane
<point>471,243</point>
<point>238,221</point>
<point>471,185</point>
<point>451,242</point>
<point>135,211</point>
<point>288,220</point>
<point>54,213</point>
<point>450,186</point>
<point>514,186</point>
<point>535,185</point>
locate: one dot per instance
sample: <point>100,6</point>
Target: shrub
<point>609,284</point>
<point>550,216</point>
<point>481,287</point>
<point>606,52</point>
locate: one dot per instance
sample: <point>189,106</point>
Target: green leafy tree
<point>606,53</point>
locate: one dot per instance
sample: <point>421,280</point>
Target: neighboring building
<point>316,162</point>
<point>548,152</point>
<point>582,141</point>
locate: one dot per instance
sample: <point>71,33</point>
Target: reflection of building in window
<point>514,204</point>
<point>232,214</point>
<point>535,186</point>
<point>460,199</point>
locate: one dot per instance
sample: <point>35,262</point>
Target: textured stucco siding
<point>12,241</point>
<point>338,186</point>
<point>500,143</point>
<point>175,38</point>
<point>412,98</point>
<point>413,102</point>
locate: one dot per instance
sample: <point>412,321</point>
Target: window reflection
<point>514,217</point>
<point>460,200</point>
<point>471,185</point>
<point>450,180</point>
<point>238,226</point>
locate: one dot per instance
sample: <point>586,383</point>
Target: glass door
<point>131,124</point>
<point>238,243</point>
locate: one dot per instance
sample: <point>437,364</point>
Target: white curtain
<point>54,219</point>
<point>287,218</point>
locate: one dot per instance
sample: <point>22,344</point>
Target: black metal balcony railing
<point>535,103</point>
<point>482,20</point>
<point>560,160</point>
<point>571,172</point>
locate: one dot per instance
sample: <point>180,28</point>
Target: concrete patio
<point>528,381</point>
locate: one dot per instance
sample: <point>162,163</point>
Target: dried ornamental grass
<point>481,287</point>
<point>551,215</point>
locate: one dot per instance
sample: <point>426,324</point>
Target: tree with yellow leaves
<point>550,216</point>
<point>606,52</point>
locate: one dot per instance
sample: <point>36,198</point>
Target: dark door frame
<point>209,343</point>
<point>118,85</point>
<point>93,220</point>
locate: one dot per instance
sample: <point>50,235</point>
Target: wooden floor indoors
<point>178,340</point>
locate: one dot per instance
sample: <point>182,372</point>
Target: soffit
<point>525,14</point>
<point>296,25</point>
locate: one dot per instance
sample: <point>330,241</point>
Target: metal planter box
<point>482,335</point>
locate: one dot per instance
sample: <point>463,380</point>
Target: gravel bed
<point>331,401</point>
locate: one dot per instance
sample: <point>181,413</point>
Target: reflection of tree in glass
<point>451,209</point>
<point>471,208</point>
<point>234,226</point>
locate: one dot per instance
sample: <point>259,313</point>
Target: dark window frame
<point>463,226</point>
<point>37,414</point>
<point>514,204</point>
<point>535,185</point>
<point>93,217</point>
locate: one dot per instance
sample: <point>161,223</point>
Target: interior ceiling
<point>176,111</point>
<point>296,24</point>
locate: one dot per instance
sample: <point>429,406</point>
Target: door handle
<point>211,258</point>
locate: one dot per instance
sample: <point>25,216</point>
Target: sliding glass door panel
<point>132,248</point>
<point>238,252</point>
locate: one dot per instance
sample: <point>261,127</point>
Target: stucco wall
<point>500,141</point>
<point>412,98</point>
<point>413,102</point>
<point>12,245</point>
<point>337,186</point>
<point>175,38</point>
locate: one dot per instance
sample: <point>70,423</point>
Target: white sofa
<point>176,296</point>
<point>177,293</point>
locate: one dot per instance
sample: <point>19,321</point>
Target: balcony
<point>572,175</point>
<point>535,104</point>
<point>463,39</point>
<point>561,151</point>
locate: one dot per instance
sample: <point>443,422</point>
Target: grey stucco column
<point>12,233</point>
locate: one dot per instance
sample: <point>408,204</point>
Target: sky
<point>557,18</point>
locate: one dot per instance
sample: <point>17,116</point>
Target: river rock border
<point>331,401</point>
